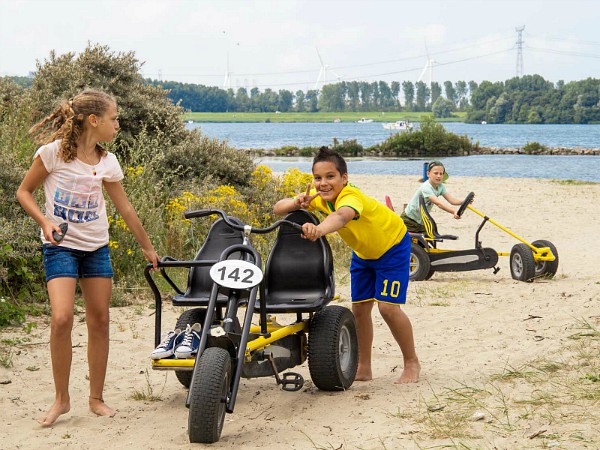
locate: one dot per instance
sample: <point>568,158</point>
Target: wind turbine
<point>428,67</point>
<point>322,77</point>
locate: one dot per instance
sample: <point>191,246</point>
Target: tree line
<point>527,99</point>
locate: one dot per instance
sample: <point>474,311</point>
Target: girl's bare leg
<point>401,329</point>
<point>96,293</point>
<point>364,331</point>
<point>62,297</point>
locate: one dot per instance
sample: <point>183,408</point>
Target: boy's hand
<point>311,232</point>
<point>303,200</point>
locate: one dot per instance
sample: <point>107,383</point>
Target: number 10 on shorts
<point>394,288</point>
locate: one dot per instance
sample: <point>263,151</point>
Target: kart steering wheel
<point>465,203</point>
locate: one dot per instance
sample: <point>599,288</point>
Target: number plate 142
<point>236,274</point>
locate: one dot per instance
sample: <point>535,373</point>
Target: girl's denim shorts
<point>70,263</point>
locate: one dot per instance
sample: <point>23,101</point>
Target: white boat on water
<point>399,125</point>
<point>363,120</point>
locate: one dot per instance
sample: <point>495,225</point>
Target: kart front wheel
<point>546,269</point>
<point>522,264</point>
<point>420,266</point>
<point>209,392</point>
<point>333,348</point>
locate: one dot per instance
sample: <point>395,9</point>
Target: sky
<point>299,45</point>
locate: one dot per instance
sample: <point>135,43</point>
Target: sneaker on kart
<point>166,348</point>
<point>190,343</point>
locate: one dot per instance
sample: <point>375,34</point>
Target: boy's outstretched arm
<point>331,223</point>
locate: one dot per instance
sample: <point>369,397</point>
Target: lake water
<point>275,135</point>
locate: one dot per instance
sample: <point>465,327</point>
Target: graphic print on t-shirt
<point>77,200</point>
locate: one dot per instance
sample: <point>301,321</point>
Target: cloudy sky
<point>286,44</point>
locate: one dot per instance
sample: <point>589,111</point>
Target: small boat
<point>190,121</point>
<point>399,125</point>
<point>364,120</point>
<point>483,122</point>
<point>336,120</point>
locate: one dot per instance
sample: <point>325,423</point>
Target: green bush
<point>141,106</point>
<point>431,139</point>
<point>534,148</point>
<point>348,148</point>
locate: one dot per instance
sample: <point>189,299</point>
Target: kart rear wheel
<point>333,348</point>
<point>190,316</point>
<point>522,264</point>
<point>209,392</point>
<point>546,269</point>
<point>420,266</point>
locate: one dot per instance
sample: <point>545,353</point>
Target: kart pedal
<point>496,270</point>
<point>292,381</point>
<point>289,381</point>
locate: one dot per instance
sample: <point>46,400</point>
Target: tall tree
<point>408,88</point>
<point>300,101</point>
<point>450,92</point>
<point>436,91</point>
<point>395,86</point>
<point>422,96</point>
<point>312,98</point>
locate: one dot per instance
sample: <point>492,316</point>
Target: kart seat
<point>220,237</point>
<point>431,231</point>
<point>299,273</point>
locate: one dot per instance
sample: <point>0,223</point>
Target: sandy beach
<point>505,364</point>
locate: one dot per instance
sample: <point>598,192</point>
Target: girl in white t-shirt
<point>74,169</point>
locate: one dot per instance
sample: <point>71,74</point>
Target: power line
<point>564,52</point>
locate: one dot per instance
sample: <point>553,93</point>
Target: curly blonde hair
<point>66,122</point>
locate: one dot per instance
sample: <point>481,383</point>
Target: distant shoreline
<point>552,151</point>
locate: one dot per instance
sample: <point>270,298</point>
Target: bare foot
<point>98,407</point>
<point>363,374</point>
<point>410,374</point>
<point>57,409</point>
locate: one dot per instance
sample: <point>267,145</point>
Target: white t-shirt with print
<point>74,195</point>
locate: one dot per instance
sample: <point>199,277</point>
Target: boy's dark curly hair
<point>327,155</point>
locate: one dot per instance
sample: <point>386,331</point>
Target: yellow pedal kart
<point>528,261</point>
<point>226,278</point>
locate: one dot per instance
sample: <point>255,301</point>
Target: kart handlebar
<point>235,226</point>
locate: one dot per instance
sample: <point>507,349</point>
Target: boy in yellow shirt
<point>380,261</point>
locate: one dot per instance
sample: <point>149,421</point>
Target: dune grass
<point>551,401</point>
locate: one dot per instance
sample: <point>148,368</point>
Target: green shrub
<point>431,139</point>
<point>534,148</point>
<point>348,148</point>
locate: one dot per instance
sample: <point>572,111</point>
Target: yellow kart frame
<point>528,261</point>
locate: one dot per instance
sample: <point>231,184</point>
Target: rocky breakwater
<point>562,151</point>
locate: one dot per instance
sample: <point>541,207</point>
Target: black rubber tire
<point>546,269</point>
<point>208,396</point>
<point>420,266</point>
<point>429,274</point>
<point>463,206</point>
<point>333,348</point>
<point>522,264</point>
<point>190,316</point>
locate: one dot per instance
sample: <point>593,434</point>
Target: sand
<point>506,364</point>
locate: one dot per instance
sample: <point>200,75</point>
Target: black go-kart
<point>225,278</point>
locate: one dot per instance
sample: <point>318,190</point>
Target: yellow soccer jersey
<point>373,231</point>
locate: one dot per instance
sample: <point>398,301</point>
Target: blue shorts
<point>384,279</point>
<point>70,263</point>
